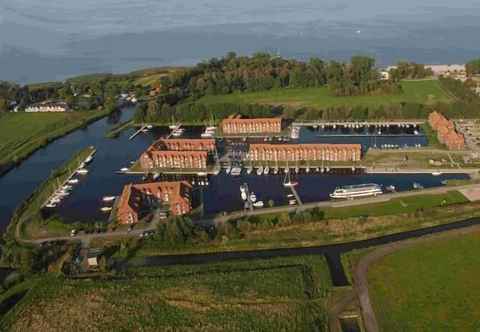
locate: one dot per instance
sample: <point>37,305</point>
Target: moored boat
<point>357,191</point>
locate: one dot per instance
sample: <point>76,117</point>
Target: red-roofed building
<point>232,126</point>
<point>307,152</point>
<point>138,200</point>
<point>446,131</point>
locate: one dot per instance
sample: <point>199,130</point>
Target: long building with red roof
<point>138,200</point>
<point>232,126</point>
<point>307,152</point>
<point>446,132</point>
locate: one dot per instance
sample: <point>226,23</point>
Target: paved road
<point>236,215</point>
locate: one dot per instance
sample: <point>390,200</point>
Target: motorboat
<point>236,171</point>
<point>292,202</point>
<point>249,170</point>
<point>307,170</point>
<point>297,170</point>
<point>89,159</point>
<point>244,196</point>
<point>106,209</point>
<point>228,169</point>
<point>260,170</point>
<point>417,186</point>
<point>51,205</point>
<point>253,197</point>
<point>357,191</point>
<point>124,169</point>
<point>155,176</point>
<point>266,170</point>
<point>258,204</point>
<point>109,198</point>
<point>437,173</point>
<point>73,181</point>
<point>275,170</point>
<point>82,171</point>
<point>391,188</point>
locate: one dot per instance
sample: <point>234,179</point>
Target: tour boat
<point>106,209</point>
<point>109,198</point>
<point>356,191</point>
<point>260,170</point>
<point>253,197</point>
<point>82,171</point>
<point>266,170</point>
<point>258,204</point>
<point>73,181</point>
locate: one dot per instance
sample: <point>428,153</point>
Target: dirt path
<point>360,273</point>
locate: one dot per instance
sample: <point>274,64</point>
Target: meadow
<point>422,92</point>
<point>430,286</point>
<point>23,133</point>
<point>284,294</point>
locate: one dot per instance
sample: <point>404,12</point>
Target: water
<point>222,194</point>
<point>51,40</point>
<point>368,137</point>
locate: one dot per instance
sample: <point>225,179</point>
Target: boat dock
<point>297,196</point>
<point>359,124</point>
<point>90,155</point>
<point>138,132</point>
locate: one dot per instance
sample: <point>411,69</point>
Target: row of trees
<point>409,70</point>
<point>473,67</point>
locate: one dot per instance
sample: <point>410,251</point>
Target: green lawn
<point>397,205</point>
<point>432,286</point>
<point>285,294</point>
<point>23,133</point>
<point>425,92</point>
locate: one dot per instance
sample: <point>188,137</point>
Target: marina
<point>313,182</point>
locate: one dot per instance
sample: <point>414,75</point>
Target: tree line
<point>409,70</point>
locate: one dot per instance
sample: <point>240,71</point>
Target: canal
<point>222,192</point>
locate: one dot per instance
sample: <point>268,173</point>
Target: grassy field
<point>23,133</point>
<point>425,92</point>
<point>337,225</point>
<point>432,286</point>
<point>286,294</point>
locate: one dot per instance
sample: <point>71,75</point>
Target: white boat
<point>292,202</point>
<point>244,196</point>
<point>124,169</point>
<point>290,195</point>
<point>243,188</point>
<point>149,126</point>
<point>174,126</point>
<point>206,135</point>
<point>67,187</point>
<point>266,170</point>
<point>297,170</point>
<point>436,173</point>
<point>253,197</point>
<point>258,204</point>
<point>236,171</point>
<point>288,181</point>
<point>109,198</point>
<point>155,176</point>
<point>228,169</point>
<point>249,170</point>
<point>307,170</point>
<point>295,134</point>
<point>106,209</point>
<point>391,188</point>
<point>286,170</point>
<point>73,181</point>
<point>260,170</point>
<point>416,132</point>
<point>357,191</point>
<point>275,170</point>
<point>82,171</point>
<point>89,159</point>
<point>417,185</point>
<point>51,205</point>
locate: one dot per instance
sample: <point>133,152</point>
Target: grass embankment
<point>27,222</point>
<point>115,131</point>
<point>430,286</point>
<point>422,92</point>
<point>335,225</point>
<point>23,133</point>
<point>284,294</point>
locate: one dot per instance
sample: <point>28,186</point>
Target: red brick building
<point>307,152</point>
<point>137,200</point>
<point>178,144</point>
<point>233,126</point>
<point>178,153</point>
<point>446,132</point>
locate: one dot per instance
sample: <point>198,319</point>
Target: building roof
<point>306,146</point>
<point>254,120</point>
